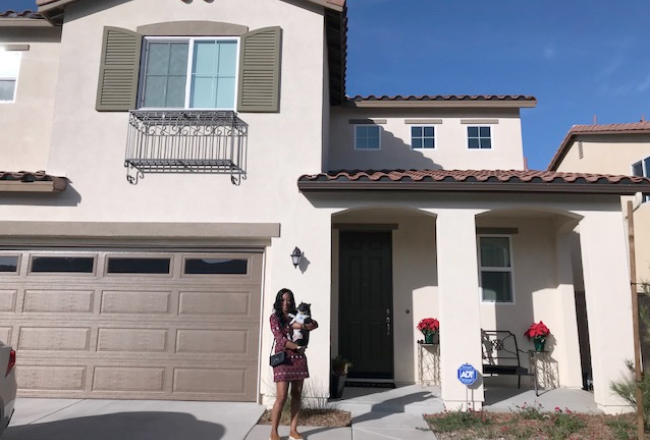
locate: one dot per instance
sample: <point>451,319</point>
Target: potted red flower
<point>429,328</point>
<point>538,332</point>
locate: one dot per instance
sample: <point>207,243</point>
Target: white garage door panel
<point>170,336</point>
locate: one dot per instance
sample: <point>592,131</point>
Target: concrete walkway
<point>376,415</point>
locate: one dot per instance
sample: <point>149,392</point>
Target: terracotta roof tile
<point>60,183</point>
<point>359,98</point>
<point>476,180</point>
<point>631,127</point>
<point>23,14</point>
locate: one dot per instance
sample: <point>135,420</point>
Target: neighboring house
<point>230,120</point>
<point>613,149</point>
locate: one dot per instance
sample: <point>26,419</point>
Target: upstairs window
<point>423,137</point>
<point>189,73</point>
<point>479,138</point>
<point>496,269</point>
<point>9,67</point>
<point>367,137</point>
<point>642,169</point>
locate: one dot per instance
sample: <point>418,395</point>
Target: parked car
<point>7,385</point>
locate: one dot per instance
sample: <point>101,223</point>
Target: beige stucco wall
<point>451,150</point>
<point>615,154</point>
<point>26,124</point>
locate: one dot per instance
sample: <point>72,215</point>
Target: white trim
<point>356,126</point>
<point>188,80</point>
<point>435,136</point>
<point>510,270</point>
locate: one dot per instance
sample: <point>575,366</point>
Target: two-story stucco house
<point>190,147</point>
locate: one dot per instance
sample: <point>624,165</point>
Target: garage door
<point>133,324</point>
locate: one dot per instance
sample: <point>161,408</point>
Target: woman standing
<point>294,371</point>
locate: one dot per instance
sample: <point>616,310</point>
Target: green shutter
<point>119,70</point>
<point>259,71</point>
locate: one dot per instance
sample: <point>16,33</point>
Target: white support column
<point>569,371</point>
<point>460,326</point>
<point>609,306</point>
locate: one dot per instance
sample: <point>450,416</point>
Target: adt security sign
<point>467,374</point>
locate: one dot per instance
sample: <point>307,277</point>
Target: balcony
<point>185,141</point>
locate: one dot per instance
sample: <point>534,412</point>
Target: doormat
<point>352,384</point>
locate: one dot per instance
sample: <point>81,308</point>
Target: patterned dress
<point>295,367</point>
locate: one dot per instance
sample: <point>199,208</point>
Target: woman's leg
<point>280,398</point>
<point>296,395</point>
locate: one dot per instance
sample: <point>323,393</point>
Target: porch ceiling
<point>474,181</point>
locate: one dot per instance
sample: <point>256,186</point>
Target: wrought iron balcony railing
<point>185,141</point>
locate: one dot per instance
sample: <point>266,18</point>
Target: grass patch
<point>530,422</point>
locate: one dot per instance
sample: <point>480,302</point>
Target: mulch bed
<point>329,418</point>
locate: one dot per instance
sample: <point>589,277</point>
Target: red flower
<point>429,325</point>
<point>537,331</point>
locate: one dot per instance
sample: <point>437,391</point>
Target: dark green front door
<point>366,303</point>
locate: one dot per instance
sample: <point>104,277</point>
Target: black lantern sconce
<point>296,256</point>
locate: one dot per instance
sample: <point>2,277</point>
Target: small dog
<point>301,337</point>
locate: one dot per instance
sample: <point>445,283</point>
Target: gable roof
<point>493,181</point>
<point>641,127</point>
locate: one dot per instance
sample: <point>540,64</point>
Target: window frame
<point>423,137</point>
<point>356,128</point>
<point>510,270</point>
<point>644,171</point>
<point>188,81</point>
<point>479,126</point>
<point>19,55</point>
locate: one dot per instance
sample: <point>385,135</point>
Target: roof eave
<point>442,104</point>
<point>482,187</point>
<point>24,23</point>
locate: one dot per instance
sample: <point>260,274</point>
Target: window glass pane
<point>485,131</point>
<point>203,93</point>
<point>428,142</point>
<point>646,164</point>
<point>486,143</point>
<point>495,252</point>
<point>154,92</point>
<point>138,265</point>
<point>158,59</point>
<point>472,131</point>
<point>175,91</point>
<point>472,143</point>
<point>497,286</point>
<point>205,57</point>
<point>225,92</point>
<point>215,266</point>
<point>7,90</point>
<point>417,142</point>
<point>8,264</point>
<point>373,131</point>
<point>637,169</point>
<point>416,131</point>
<point>373,143</point>
<point>62,264</point>
<point>362,143</point>
<point>428,131</point>
<point>227,58</point>
<point>178,59</point>
<point>9,64</point>
<point>362,131</point>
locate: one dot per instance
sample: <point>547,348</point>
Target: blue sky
<point>579,58</point>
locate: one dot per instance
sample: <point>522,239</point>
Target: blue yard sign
<point>467,374</point>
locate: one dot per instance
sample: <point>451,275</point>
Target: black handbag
<point>278,358</point>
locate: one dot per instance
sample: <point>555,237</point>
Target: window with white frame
<point>9,67</point>
<point>642,168</point>
<point>189,73</point>
<point>479,138</point>
<point>496,269</point>
<point>423,137</point>
<point>367,137</point>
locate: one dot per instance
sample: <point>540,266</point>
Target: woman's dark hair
<point>277,305</point>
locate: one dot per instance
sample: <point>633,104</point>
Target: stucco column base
<point>461,405</point>
<point>616,409</point>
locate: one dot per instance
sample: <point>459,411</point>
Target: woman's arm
<point>281,339</point>
<point>311,326</point>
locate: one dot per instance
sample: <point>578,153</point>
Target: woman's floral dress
<point>295,368</point>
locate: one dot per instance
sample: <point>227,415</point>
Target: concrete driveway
<point>75,419</point>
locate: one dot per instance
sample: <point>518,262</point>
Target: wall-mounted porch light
<point>296,256</point>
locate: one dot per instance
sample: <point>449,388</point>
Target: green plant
<point>458,420</point>
<point>564,424</point>
<point>531,412</point>
<point>621,428</point>
<point>626,388</point>
<point>341,366</point>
